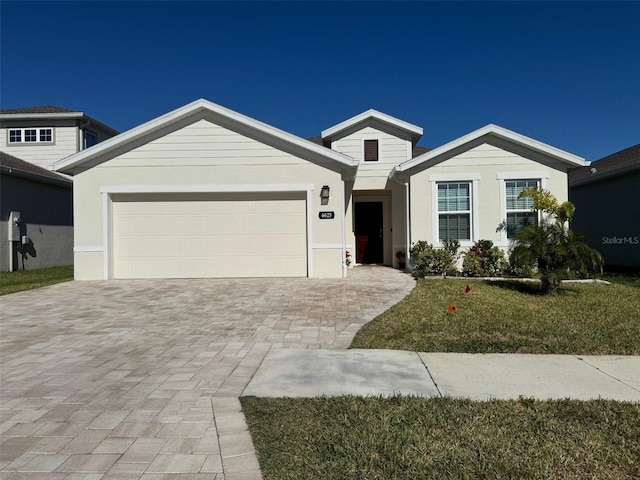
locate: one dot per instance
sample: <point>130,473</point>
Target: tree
<point>552,247</point>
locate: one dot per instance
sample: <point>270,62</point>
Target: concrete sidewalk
<point>307,373</point>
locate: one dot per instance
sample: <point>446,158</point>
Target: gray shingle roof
<point>614,164</point>
<point>15,166</point>
<point>42,109</point>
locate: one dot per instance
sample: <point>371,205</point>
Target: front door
<point>369,230</point>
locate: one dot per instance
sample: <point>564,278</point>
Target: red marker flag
<point>452,308</point>
<point>468,289</point>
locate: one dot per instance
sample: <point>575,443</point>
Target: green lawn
<point>443,438</point>
<point>412,438</point>
<point>510,317</point>
<point>11,282</point>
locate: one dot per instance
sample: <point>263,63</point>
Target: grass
<point>510,317</point>
<point>11,282</point>
<point>443,438</point>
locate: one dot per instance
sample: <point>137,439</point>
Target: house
<point>31,139</point>
<point>204,191</point>
<point>43,135</point>
<point>36,208</point>
<point>607,199</point>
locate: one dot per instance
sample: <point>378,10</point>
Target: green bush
<point>483,260</point>
<point>427,260</point>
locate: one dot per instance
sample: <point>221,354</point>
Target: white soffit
<point>414,130</point>
<point>67,164</point>
<point>498,132</point>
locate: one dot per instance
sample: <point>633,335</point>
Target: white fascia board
<point>414,130</point>
<point>41,116</point>
<point>499,132</point>
<point>66,164</point>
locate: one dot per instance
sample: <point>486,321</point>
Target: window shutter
<point>371,150</point>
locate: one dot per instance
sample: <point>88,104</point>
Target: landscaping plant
<point>551,247</point>
<point>427,260</point>
<point>483,260</point>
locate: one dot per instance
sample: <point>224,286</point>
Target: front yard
<point>443,438</point>
<point>12,282</point>
<point>509,317</point>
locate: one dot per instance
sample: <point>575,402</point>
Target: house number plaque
<point>326,215</point>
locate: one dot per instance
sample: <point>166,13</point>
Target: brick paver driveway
<point>141,379</point>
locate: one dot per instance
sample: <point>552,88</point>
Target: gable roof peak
<point>414,131</point>
<point>499,132</point>
<point>211,110</point>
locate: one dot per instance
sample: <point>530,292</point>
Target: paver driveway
<point>141,378</point>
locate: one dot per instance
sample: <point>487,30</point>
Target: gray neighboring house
<point>39,232</point>
<point>607,199</point>
<point>43,235</point>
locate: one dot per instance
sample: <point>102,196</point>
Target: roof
<point>51,112</point>
<point>615,164</point>
<point>43,109</point>
<point>303,147</point>
<point>491,130</point>
<point>14,166</point>
<point>374,116</point>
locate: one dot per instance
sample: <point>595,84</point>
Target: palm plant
<point>552,247</point>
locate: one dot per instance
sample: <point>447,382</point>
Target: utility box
<point>14,227</point>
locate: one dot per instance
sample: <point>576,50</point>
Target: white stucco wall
<point>489,164</point>
<point>203,153</point>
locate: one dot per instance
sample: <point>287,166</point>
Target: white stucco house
<point>204,191</point>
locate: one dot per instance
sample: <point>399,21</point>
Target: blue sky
<point>565,73</point>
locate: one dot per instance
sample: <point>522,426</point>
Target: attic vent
<point>371,150</point>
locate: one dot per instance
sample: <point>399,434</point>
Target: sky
<point>565,73</point>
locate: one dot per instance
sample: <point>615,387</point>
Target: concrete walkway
<point>288,373</point>
<point>140,379</point>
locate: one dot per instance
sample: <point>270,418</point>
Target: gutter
<point>34,176</point>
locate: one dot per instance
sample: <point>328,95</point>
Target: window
<point>454,211</point>
<point>90,139</point>
<point>371,150</point>
<point>519,213</point>
<point>31,135</point>
<point>15,136</point>
<point>46,135</point>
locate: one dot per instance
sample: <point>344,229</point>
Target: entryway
<point>369,230</point>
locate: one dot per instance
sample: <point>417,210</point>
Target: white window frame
<point>23,140</point>
<point>471,178</point>
<point>540,176</point>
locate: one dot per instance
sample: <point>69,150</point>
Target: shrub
<point>427,260</point>
<point>483,260</point>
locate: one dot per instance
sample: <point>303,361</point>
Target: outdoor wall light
<point>324,192</point>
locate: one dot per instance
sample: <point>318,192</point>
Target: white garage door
<point>209,235</point>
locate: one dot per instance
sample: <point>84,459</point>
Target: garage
<point>199,235</point>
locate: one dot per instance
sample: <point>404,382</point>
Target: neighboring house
<point>43,135</point>
<point>204,191</point>
<point>41,234</point>
<point>31,139</point>
<point>607,199</point>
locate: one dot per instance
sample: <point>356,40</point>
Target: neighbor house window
<point>31,135</point>
<point>371,151</point>
<point>15,136</point>
<point>90,139</point>
<point>454,211</point>
<point>519,210</point>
